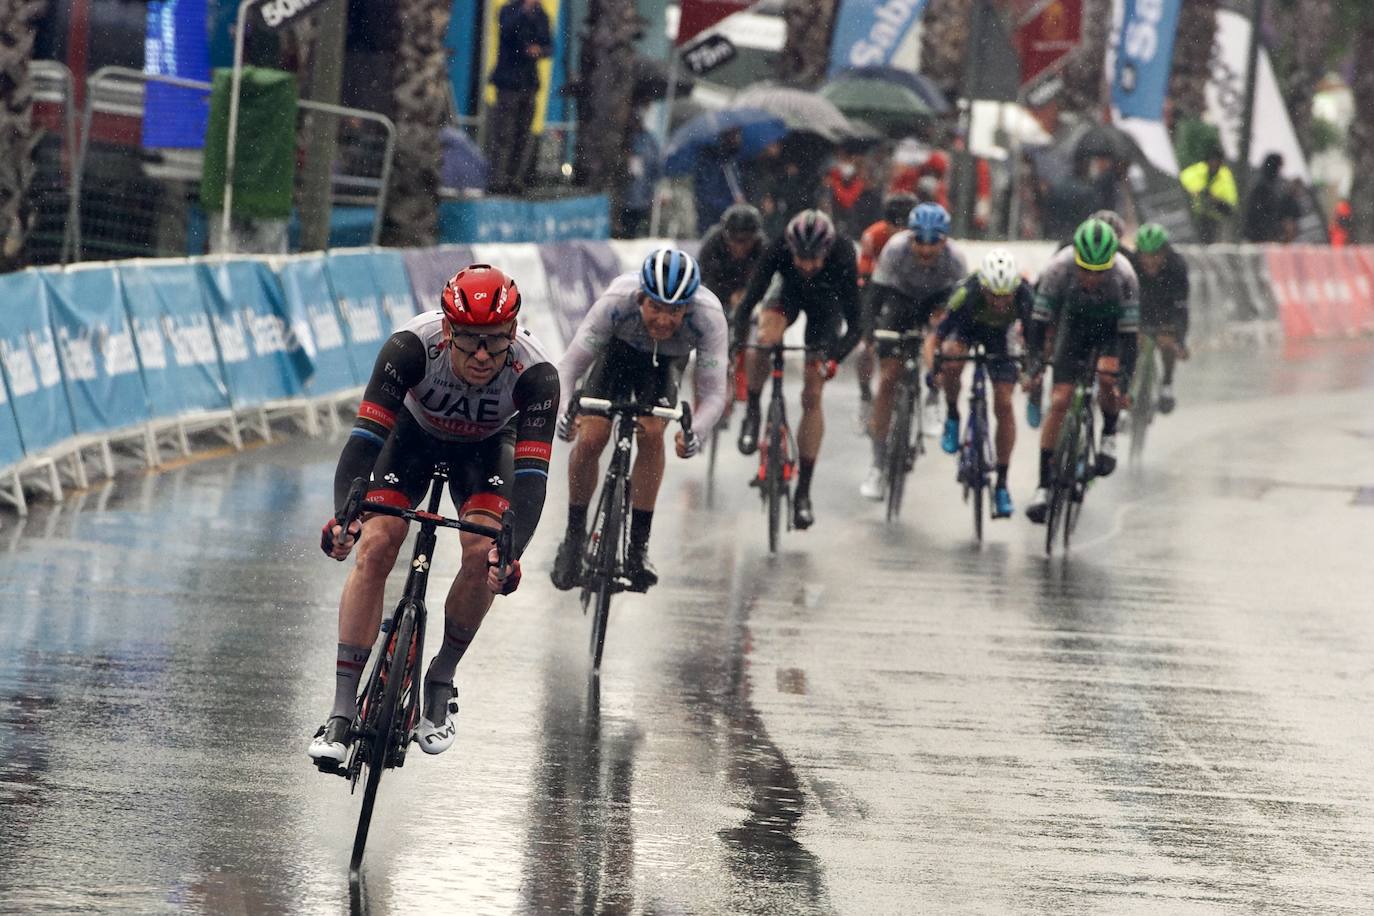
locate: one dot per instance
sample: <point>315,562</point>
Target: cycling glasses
<point>469,344</point>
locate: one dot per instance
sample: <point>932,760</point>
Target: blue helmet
<point>929,223</point>
<point>669,276</point>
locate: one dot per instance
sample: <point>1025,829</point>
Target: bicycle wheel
<point>1083,470</point>
<point>1063,474</point>
<point>380,738</point>
<point>608,545</point>
<point>1142,400</point>
<point>900,450</point>
<point>979,473</point>
<point>773,482</point>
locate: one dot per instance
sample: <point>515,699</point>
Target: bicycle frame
<point>777,448</point>
<point>905,432</point>
<point>1075,458</point>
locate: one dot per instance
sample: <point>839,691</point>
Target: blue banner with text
<point>1144,57</point>
<point>359,300</point>
<point>869,32</point>
<point>28,353</point>
<point>263,361</point>
<point>310,309</point>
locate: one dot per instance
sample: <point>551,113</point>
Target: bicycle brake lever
<point>353,505</point>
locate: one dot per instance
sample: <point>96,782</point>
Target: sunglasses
<point>469,344</point>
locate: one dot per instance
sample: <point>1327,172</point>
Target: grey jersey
<point>899,268</point>
<point>616,315</point>
<point>1117,298</point>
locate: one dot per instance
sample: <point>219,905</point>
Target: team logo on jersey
<point>391,478</point>
<point>495,480</point>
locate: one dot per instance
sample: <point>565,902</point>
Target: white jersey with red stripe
<point>452,409</point>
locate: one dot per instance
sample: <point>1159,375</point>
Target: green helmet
<point>1151,238</point>
<point>1095,245</point>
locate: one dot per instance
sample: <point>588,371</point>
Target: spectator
<point>854,202</point>
<point>1341,224</point>
<point>524,39</point>
<point>1212,191</point>
<point>644,170</point>
<point>1271,210</point>
<point>716,180</point>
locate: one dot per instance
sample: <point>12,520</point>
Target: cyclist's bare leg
<point>812,427</point>
<point>952,373</point>
<point>360,606</point>
<point>864,362</point>
<point>1108,399</point>
<point>889,372</point>
<point>772,325</point>
<point>469,598</point>
<point>1060,395</point>
<point>928,345</point>
<point>648,470</point>
<point>583,464</point>
<point>1168,350</point>
<point>1006,421</point>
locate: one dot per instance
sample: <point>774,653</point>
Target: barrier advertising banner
<point>536,307</point>
<point>28,353</point>
<point>577,273</point>
<point>95,348</point>
<point>263,361</point>
<point>869,32</point>
<point>430,268</point>
<point>502,220</point>
<point>393,284</point>
<point>360,306</point>
<point>175,342</point>
<point>11,447</point>
<point>310,309</point>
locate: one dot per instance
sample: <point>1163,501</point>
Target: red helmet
<point>480,294</point>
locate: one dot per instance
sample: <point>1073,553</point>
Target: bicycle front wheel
<point>608,543</point>
<point>1142,401</point>
<point>379,737</point>
<point>1062,480</point>
<point>773,481</point>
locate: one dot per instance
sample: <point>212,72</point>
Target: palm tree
<point>18,139</point>
<point>412,204</point>
<point>1193,49</point>
<point>806,53</point>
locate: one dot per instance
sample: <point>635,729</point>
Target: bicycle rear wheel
<point>608,544</point>
<point>900,450</point>
<point>383,713</point>
<point>773,482</point>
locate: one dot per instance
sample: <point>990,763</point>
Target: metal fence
<point>129,200</point>
<point>50,192</point>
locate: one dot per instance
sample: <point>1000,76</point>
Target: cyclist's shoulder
<point>955,259</point>
<point>423,325</point>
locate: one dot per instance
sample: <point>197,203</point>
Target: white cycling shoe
<point>874,485</point>
<point>435,739</point>
<point>330,744</point>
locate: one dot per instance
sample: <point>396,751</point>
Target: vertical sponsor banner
<point>173,337</point>
<point>536,307</point>
<point>309,304</point>
<point>28,353</point>
<point>177,43</point>
<point>360,307</point>
<point>430,268</point>
<point>490,42</point>
<point>577,273</point>
<point>868,33</point>
<point>11,445</point>
<point>263,360</point>
<point>393,285</point>
<point>95,347</point>
<point>1144,55</point>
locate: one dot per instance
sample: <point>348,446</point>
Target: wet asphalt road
<point>1174,719</point>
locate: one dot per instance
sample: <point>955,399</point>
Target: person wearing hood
<point>1271,210</point>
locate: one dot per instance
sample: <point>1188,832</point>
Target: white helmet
<point>998,273</point>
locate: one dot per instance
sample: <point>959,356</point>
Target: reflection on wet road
<point>879,720</point>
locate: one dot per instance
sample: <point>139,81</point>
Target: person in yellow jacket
<point>1211,188</point>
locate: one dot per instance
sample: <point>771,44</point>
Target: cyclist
<point>462,384</point>
<point>817,270</point>
<point>729,253</point>
<point>896,210</point>
<point>636,340</point>
<point>917,271</point>
<point>982,310</point>
<point>1163,301</point>
<point>1092,299</point>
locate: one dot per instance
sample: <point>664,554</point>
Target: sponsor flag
<point>696,16</point>
<point>1144,56</point>
<point>868,33</point>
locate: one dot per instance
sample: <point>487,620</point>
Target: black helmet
<point>898,207</point>
<point>742,219</point>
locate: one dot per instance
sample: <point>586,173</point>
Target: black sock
<point>640,522</point>
<point>953,413</point>
<point>753,403</point>
<point>577,520</point>
<point>1109,423</point>
<point>1168,373</point>
<point>1002,476</point>
<point>865,391</point>
<point>808,467</point>
<point>1046,459</point>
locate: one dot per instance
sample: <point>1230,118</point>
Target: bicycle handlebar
<point>607,407</point>
<point>884,334</point>
<point>504,537</point>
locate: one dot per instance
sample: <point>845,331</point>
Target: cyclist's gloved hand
<point>688,444</point>
<point>564,427</point>
<point>829,368</point>
<point>335,542</point>
<point>495,583</point>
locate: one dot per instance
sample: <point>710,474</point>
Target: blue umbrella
<point>923,86</point>
<point>464,166</point>
<point>758,129</point>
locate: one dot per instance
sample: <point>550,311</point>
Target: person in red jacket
<point>896,208</point>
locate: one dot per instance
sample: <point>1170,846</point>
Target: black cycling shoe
<point>802,516</point>
<point>638,570</point>
<point>749,432</point>
<point>566,572</point>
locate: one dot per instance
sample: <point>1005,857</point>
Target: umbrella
<point>464,166</point>
<point>1103,140</point>
<point>758,128</point>
<point>891,107</point>
<point>799,110</point>
<point>924,87</point>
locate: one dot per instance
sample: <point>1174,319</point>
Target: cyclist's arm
<point>955,316</point>
<point>400,366</point>
<point>710,383</point>
<point>1183,293</point>
<point>587,344</point>
<point>536,397</point>
<point>1128,330</point>
<point>847,281</point>
<point>758,288</point>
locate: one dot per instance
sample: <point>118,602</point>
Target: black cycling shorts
<point>1074,346</point>
<point>480,473</point>
<point>900,314</point>
<point>1001,368</point>
<point>624,373</point>
<point>822,329</point>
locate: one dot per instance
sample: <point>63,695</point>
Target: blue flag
<point>868,32</point>
<point>1144,57</point>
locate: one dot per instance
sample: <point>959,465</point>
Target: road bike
<point>603,556</point>
<point>906,433</point>
<point>977,463</point>
<point>777,449</point>
<point>1074,463</point>
<point>389,702</point>
<point>1143,403</point>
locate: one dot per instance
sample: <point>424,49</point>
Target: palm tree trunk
<point>604,90</point>
<point>412,205</point>
<point>18,139</point>
<point>1084,76</point>
<point>944,36</point>
<point>805,56</point>
<point>1361,140</point>
<point>1193,49</point>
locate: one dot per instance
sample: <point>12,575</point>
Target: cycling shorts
<point>625,373</point>
<point>900,314</point>
<point>1001,367</point>
<point>822,325</point>
<point>480,473</point>
<point>1074,346</point>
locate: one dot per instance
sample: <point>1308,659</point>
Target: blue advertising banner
<point>175,342</point>
<point>262,358</point>
<point>431,268</point>
<point>577,272</point>
<point>95,347</point>
<point>1144,56</point>
<point>28,353</point>
<point>501,220</point>
<point>310,309</point>
<point>11,447</point>
<point>177,43</point>
<point>869,32</point>
<point>393,284</point>
<point>359,301</point>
